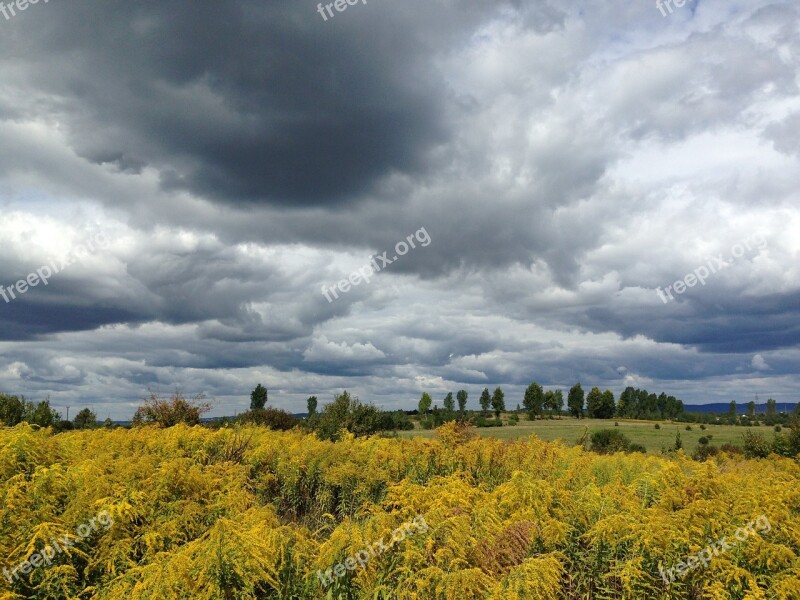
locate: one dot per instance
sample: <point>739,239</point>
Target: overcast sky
<point>565,160</point>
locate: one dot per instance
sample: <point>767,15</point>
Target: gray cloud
<point>566,162</point>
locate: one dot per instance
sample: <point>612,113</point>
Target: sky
<point>604,193</point>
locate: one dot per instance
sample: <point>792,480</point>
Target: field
<point>569,430</point>
<point>245,512</point>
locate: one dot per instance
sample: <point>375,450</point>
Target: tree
<point>600,405</point>
<point>258,398</point>
<point>43,415</point>
<point>628,403</point>
<point>608,407</point>
<point>575,400</point>
<point>751,409</point>
<point>498,402</point>
<point>348,414</point>
<point>558,401</point>
<point>85,419</point>
<point>461,396</point>
<point>12,410</point>
<point>732,410</point>
<point>554,401</point>
<point>449,403</point>
<point>772,409</point>
<point>311,403</point>
<point>425,403</point>
<point>168,412</point>
<point>485,400</point>
<point>533,401</point>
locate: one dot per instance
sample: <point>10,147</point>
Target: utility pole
<point>68,412</point>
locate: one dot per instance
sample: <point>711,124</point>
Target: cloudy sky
<point>565,161</point>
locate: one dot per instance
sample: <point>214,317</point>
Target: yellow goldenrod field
<point>245,512</point>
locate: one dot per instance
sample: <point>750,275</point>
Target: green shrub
<point>755,446</point>
<point>778,428</point>
<point>703,426</point>
<point>704,452</point>
<point>688,428</point>
<point>481,421</point>
<point>731,449</point>
<point>703,441</point>
<point>271,417</point>
<point>657,426</point>
<point>608,441</point>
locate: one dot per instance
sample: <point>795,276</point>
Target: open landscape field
<point>248,513</point>
<point>642,432</point>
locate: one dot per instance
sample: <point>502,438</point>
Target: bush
<point>169,412</point>
<point>688,428</point>
<point>702,453</point>
<point>703,426</point>
<point>633,447</point>
<point>616,424</point>
<point>273,418</point>
<point>657,426</point>
<point>755,446</point>
<point>703,441</point>
<point>608,441</point>
<point>731,449</point>
<point>481,421</point>
<point>346,413</point>
<point>455,433</point>
<point>778,428</point>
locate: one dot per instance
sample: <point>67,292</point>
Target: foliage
<point>425,402</point>
<point>485,400</point>
<point>600,405</point>
<point>462,396</point>
<point>258,397</point>
<point>640,404</point>
<point>449,403</point>
<point>12,410</point>
<point>533,401</point>
<point>346,414</point>
<point>608,441</point>
<point>755,445</point>
<point>273,418</point>
<point>169,412</point>
<point>311,405</point>
<point>247,513</point>
<point>498,402</point>
<point>85,419</point>
<point>554,401</point>
<point>575,400</point>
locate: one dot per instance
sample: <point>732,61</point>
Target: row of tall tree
<point>495,401</point>
<point>15,410</point>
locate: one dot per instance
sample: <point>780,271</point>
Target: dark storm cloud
<point>248,101</point>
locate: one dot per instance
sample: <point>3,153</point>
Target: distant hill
<point>741,407</point>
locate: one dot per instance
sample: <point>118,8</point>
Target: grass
<point>642,432</point>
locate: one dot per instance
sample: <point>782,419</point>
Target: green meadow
<point>570,430</point>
